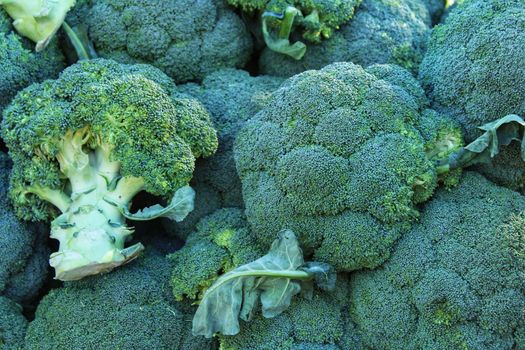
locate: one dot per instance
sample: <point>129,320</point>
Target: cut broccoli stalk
<point>274,278</point>
<point>281,43</point>
<point>37,20</point>
<point>92,228</point>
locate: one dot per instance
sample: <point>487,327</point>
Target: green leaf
<point>500,132</point>
<point>273,279</point>
<point>180,206</point>
<point>281,43</point>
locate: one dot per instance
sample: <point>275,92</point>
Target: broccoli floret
<point>129,309</point>
<point>470,72</point>
<point>455,281</point>
<point>317,323</point>
<point>381,31</point>
<point>23,249</point>
<point>97,136</point>
<point>232,97</point>
<point>186,39</point>
<point>37,20</point>
<point>12,325</point>
<point>312,20</point>
<point>336,156</point>
<point>20,66</point>
<point>221,242</point>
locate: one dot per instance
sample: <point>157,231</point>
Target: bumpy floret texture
<point>472,69</point>
<point>186,39</point>
<point>336,157</point>
<point>318,322</point>
<point>455,281</point>
<point>12,325</point>
<point>381,31</point>
<point>23,250</point>
<point>231,97</point>
<point>20,66</point>
<point>221,242</point>
<point>130,308</point>
<point>124,106</point>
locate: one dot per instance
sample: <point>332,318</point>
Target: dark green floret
<point>455,281</point>
<point>12,325</point>
<point>85,144</point>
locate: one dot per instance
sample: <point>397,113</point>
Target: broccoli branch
<point>281,43</point>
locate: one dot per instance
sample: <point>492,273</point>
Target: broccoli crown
<point>186,39</point>
<point>455,281</point>
<point>12,325</point>
<point>221,242</point>
<point>20,66</point>
<point>336,157</point>
<point>472,63</point>
<point>318,18</point>
<point>23,251</point>
<point>381,31</point>
<point>318,322</point>
<point>470,73</point>
<point>128,309</point>
<point>119,108</point>
<point>232,97</point>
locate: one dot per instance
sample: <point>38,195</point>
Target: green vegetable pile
<point>262,174</point>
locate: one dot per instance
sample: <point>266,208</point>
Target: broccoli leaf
<point>273,278</point>
<point>281,43</point>
<point>500,132</point>
<point>180,206</point>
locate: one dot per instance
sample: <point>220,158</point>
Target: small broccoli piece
<point>23,249</point>
<point>37,20</point>
<point>128,309</point>
<point>97,136</point>
<point>455,281</point>
<point>470,73</point>
<point>20,66</point>
<point>316,323</point>
<point>221,242</point>
<point>12,325</point>
<point>232,97</point>
<point>381,31</point>
<point>336,156</point>
<point>312,20</point>
<point>186,39</point>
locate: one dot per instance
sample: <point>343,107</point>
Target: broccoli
<point>314,20</point>
<point>471,71</point>
<point>455,281</point>
<point>381,31</point>
<point>128,309</point>
<point>316,323</point>
<point>19,65</point>
<point>12,325</point>
<point>23,249</point>
<point>85,144</point>
<point>337,157</point>
<point>37,20</point>
<point>232,97</point>
<point>186,39</point>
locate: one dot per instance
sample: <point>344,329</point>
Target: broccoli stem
<point>80,47</point>
<point>281,43</point>
<point>56,197</point>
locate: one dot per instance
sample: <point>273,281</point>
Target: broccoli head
<point>336,156</point>
<point>129,309</point>
<point>455,281</point>
<point>37,20</point>
<point>20,66</point>
<point>23,248</point>
<point>381,31</point>
<point>232,97</point>
<point>186,39</point>
<point>470,73</point>
<point>85,144</point>
<point>12,325</point>
<point>221,242</point>
<point>313,20</point>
